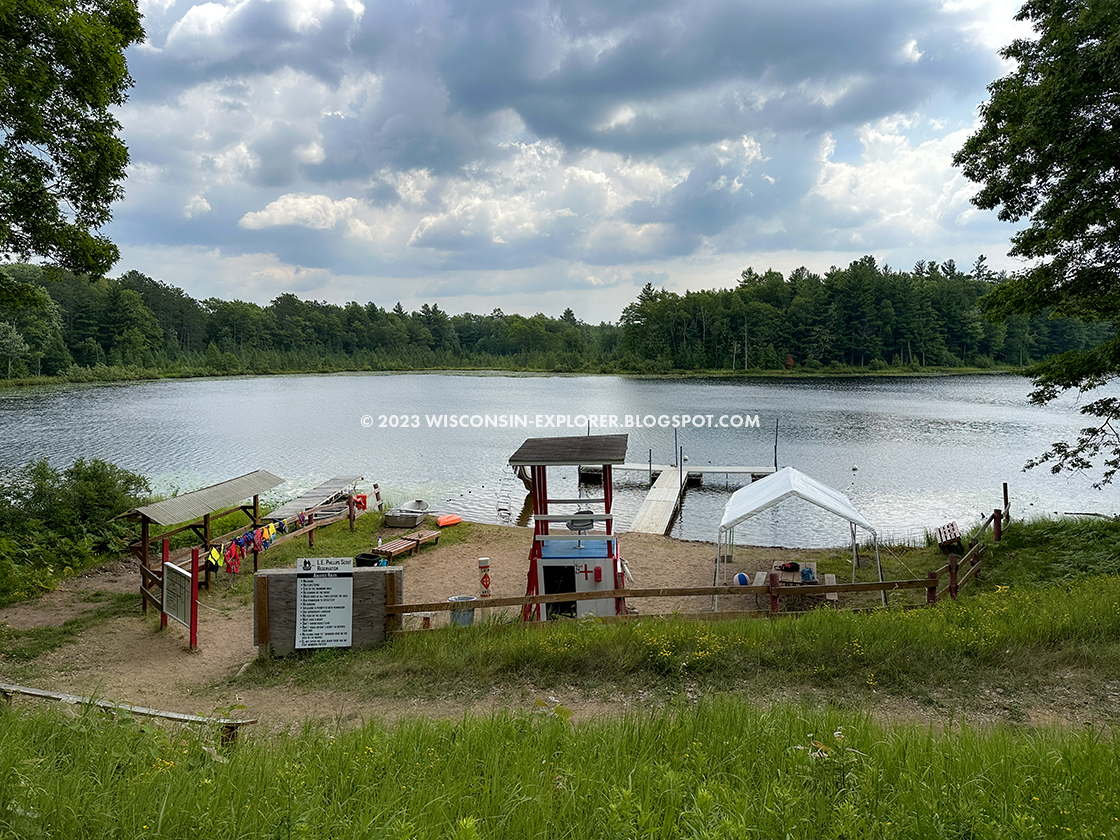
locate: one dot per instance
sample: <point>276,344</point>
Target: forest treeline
<point>53,323</point>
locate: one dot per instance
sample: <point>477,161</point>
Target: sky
<point>533,156</point>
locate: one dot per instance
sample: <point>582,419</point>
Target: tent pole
<point>855,555</point>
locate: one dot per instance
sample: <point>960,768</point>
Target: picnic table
<point>801,601</point>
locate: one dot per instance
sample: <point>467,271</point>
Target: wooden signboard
<point>277,607</point>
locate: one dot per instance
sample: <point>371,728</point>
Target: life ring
<point>360,501</point>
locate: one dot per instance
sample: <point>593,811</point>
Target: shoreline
<point>97,377</point>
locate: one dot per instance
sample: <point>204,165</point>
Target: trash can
<point>462,616</point>
<point>363,561</point>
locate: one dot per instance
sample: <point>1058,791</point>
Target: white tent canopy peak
<point>776,488</point>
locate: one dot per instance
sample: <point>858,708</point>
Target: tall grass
<point>721,769</point>
<point>1029,631</point>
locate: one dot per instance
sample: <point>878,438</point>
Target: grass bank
<point>718,769</point>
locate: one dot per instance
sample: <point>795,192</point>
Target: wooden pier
<point>329,492</point>
<point>664,497</point>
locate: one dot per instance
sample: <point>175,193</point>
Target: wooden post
<point>931,590</point>
<point>311,530</point>
<point>206,539</point>
<point>953,569</point>
<point>256,511</point>
<point>775,583</point>
<point>350,507</point>
<point>997,524</point>
<point>393,597</point>
<point>194,598</point>
<point>166,558</point>
<point>1006,505</point>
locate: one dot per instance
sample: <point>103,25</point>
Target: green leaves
<point>62,69</point>
<point>1047,150</point>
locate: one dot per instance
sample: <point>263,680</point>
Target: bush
<point>53,523</point>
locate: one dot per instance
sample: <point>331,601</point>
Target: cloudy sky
<point>538,154</point>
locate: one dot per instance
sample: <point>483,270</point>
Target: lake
<point>910,452</point>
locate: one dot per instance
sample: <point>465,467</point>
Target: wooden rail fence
<point>946,580</point>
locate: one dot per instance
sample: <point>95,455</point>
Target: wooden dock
<point>656,512</point>
<point>328,492</point>
<point>664,496</point>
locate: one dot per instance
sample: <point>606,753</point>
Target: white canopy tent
<point>776,488</point>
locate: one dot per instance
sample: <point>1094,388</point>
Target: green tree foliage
<point>1047,151</point>
<point>864,315</point>
<point>55,521</point>
<point>62,71</point>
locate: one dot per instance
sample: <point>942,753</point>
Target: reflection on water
<point>911,453</point>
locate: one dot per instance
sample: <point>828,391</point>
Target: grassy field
<point>715,769</point>
<point>711,751</point>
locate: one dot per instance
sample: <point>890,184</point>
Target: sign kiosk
<point>570,553</point>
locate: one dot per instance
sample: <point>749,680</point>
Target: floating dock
<point>664,497</point>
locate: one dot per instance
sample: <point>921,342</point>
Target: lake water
<point>924,450</point>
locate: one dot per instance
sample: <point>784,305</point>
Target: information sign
<point>177,593</point>
<point>324,602</point>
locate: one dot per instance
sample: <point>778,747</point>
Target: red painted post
<point>194,599</point>
<point>953,567</point>
<point>997,524</point>
<point>310,530</point>
<point>931,590</point>
<point>162,571</point>
<point>775,582</point>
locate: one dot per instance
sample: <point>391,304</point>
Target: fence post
<point>311,530</point>
<point>931,590</point>
<point>775,582</point>
<point>350,509</point>
<point>194,599</point>
<point>953,568</point>
<point>1006,505</point>
<point>162,568</point>
<point>997,524</point>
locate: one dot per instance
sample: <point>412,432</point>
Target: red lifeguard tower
<point>581,558</point>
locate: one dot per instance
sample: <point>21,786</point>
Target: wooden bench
<point>949,536</point>
<point>423,538</point>
<point>399,546</point>
<point>228,726</point>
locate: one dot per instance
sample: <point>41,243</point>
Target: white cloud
<point>196,205</point>
<point>317,212</point>
<point>317,141</point>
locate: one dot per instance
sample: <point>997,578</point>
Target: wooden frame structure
<point>197,508</point>
<point>557,562</point>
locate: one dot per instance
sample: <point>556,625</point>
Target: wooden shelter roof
<point>198,503</point>
<point>565,451</point>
